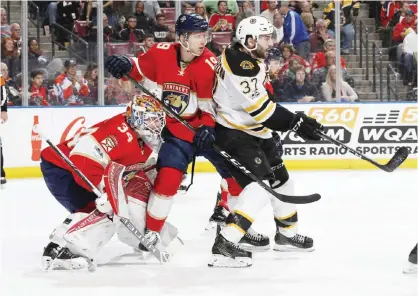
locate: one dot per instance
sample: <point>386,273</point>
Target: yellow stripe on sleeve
<point>266,113</point>
<point>257,104</point>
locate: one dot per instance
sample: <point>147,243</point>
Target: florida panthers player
<point>184,73</point>
<point>129,139</point>
<point>245,118</point>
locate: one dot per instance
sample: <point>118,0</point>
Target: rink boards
<point>376,130</point>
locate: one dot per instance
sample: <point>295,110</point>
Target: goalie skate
<point>55,257</point>
<point>228,254</point>
<point>296,243</point>
<point>253,241</point>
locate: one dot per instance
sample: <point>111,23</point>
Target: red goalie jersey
<point>185,89</point>
<point>93,149</point>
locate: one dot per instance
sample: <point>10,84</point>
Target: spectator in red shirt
<point>38,92</point>
<point>407,22</point>
<point>67,86</point>
<point>387,12</point>
<point>319,59</point>
<point>221,21</point>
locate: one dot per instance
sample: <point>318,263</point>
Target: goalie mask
<point>145,116</point>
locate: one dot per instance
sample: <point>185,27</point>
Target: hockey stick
<point>303,199</point>
<point>160,255</point>
<point>397,159</point>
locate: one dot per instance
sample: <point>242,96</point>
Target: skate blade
<point>228,262</point>
<point>289,248</point>
<point>410,269</point>
<point>48,264</point>
<point>251,248</point>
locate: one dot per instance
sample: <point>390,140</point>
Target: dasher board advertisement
<point>375,130</point>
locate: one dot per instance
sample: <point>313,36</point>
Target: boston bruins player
<point>245,119</point>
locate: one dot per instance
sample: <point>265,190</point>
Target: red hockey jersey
<point>94,148</point>
<point>188,92</point>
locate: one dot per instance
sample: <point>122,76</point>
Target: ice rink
<point>364,228</point>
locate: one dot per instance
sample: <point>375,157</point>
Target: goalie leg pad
<point>137,212</point>
<point>137,204</point>
<point>56,255</point>
<point>170,241</point>
<point>86,236</point>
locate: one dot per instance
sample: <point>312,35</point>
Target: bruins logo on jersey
<point>247,65</point>
<point>176,96</point>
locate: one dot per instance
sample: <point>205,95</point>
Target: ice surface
<point>364,227</point>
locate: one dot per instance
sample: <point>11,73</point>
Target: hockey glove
<point>204,138</point>
<point>305,127</point>
<point>118,65</point>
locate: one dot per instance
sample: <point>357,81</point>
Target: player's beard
<point>260,53</point>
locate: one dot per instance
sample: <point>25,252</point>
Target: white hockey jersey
<point>239,92</point>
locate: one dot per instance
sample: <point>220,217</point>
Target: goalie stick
<point>160,255</point>
<point>397,159</point>
<point>303,199</point>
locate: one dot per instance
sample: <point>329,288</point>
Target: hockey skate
<point>218,217</point>
<point>412,264</point>
<point>3,181</point>
<point>228,254</point>
<point>56,257</point>
<point>152,236</point>
<point>295,243</point>
<point>253,241</point>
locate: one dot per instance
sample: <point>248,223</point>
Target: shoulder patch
<point>247,65</point>
<point>239,63</point>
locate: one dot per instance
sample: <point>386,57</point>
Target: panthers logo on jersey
<point>176,96</point>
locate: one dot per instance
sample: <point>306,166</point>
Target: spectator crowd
<point>302,64</point>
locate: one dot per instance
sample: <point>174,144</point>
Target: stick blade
<point>400,156</point>
<point>300,200</point>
